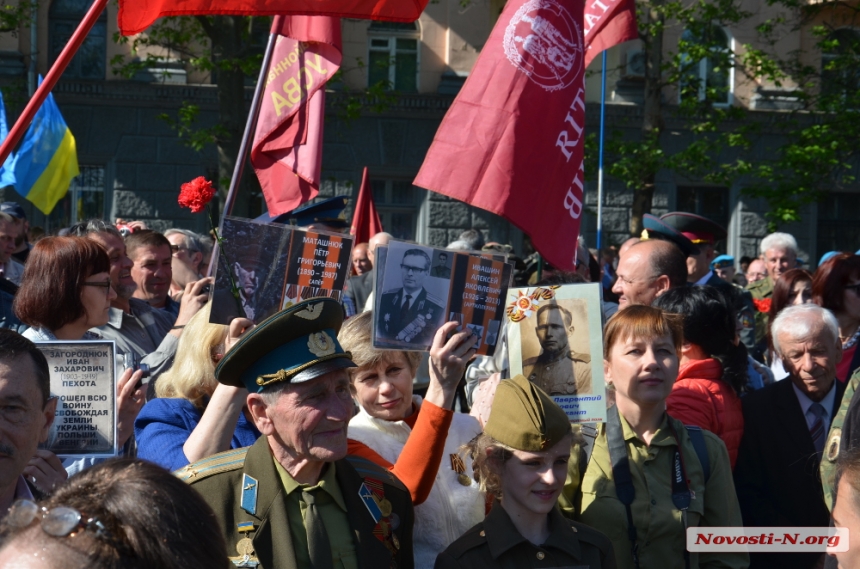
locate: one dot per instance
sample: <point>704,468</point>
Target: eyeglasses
<point>176,249</point>
<point>58,522</point>
<point>414,269</point>
<point>104,284</point>
<point>854,287</point>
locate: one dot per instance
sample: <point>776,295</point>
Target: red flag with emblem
<point>287,148</point>
<point>137,15</point>
<point>608,23</point>
<point>365,218</point>
<point>512,141</point>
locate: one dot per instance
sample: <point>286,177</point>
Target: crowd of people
<point>294,442</point>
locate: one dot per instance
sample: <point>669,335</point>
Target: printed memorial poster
<point>83,379</point>
<point>555,339</point>
<point>417,289</point>
<point>273,266</point>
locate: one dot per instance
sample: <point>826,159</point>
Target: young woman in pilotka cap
<point>521,458</point>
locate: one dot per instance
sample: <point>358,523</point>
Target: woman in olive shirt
<point>641,346</point>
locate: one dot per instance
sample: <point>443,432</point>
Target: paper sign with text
<point>555,339</point>
<point>417,289</point>
<point>83,379</point>
<point>274,266</point>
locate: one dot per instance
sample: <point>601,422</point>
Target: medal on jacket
<point>245,547</point>
<point>458,466</point>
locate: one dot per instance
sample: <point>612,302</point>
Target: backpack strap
<point>698,440</point>
<point>621,473</point>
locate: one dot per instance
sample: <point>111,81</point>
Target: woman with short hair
<point>836,287</point>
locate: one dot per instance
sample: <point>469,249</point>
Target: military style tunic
<point>661,535</point>
<point>569,374</point>
<point>496,543</point>
<point>246,492</point>
<point>415,325</point>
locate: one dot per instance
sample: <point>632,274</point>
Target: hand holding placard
<point>130,397</point>
<point>448,360</point>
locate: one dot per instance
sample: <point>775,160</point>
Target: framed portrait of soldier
<point>555,340</point>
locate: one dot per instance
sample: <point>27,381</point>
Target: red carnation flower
<point>762,305</point>
<point>196,194</point>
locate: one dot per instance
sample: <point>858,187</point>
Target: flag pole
<point>251,123</point>
<point>23,122</point>
<point>600,155</point>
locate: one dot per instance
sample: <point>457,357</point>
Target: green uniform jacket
<point>495,543</point>
<point>660,528</point>
<point>835,440</point>
<point>219,478</point>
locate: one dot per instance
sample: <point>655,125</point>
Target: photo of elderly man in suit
<point>410,315</point>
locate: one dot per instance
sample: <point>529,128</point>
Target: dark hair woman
<point>791,288</point>
<point>836,287</point>
<point>123,513</point>
<point>713,365</point>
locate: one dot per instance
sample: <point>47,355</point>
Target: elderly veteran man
<point>785,428</point>
<point>294,499</point>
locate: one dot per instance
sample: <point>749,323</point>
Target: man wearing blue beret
<point>295,499</point>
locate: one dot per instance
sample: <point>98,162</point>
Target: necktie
<point>817,428</point>
<point>319,546</point>
<point>404,308</point>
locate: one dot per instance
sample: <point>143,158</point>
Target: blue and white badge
<point>367,497</point>
<point>249,494</point>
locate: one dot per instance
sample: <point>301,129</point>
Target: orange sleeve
<point>419,460</point>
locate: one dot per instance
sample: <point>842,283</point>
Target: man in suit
<point>441,269</point>
<point>359,288</point>
<point>785,427</point>
<point>410,314</point>
<point>294,499</point>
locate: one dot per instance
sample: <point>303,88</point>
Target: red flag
<point>137,15</point>
<point>365,219</point>
<point>287,148</point>
<point>512,141</point>
<point>608,23</point>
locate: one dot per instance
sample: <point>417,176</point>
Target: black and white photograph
<point>411,305</point>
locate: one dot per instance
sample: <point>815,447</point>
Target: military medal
<point>458,466</point>
<point>385,507</point>
<point>245,547</point>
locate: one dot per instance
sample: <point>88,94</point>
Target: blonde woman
<point>194,416</point>
<point>418,440</point>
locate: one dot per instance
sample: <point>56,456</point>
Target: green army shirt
<point>661,535</point>
<point>832,447</point>
<point>332,511</point>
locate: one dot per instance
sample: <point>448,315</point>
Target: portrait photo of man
<point>441,268</point>
<point>557,369</point>
<point>410,314</point>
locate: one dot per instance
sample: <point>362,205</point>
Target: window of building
<point>393,55</point>
<point>89,62</point>
<point>85,200</point>
<point>838,229</point>
<point>840,72</point>
<point>708,74</point>
<point>397,203</point>
<point>710,202</point>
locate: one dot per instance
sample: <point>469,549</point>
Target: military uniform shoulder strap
<point>432,299</point>
<point>369,469</point>
<point>211,465</point>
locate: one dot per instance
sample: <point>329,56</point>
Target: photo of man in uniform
<point>441,269</point>
<point>558,369</point>
<point>410,314</point>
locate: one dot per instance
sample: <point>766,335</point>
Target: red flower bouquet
<point>196,194</point>
<point>762,305</point>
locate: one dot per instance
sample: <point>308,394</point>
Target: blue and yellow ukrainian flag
<point>46,161</point>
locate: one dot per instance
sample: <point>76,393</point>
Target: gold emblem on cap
<point>644,235</point>
<point>311,312</point>
<point>320,344</point>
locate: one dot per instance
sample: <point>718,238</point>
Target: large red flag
<point>287,148</point>
<point>512,141</point>
<point>137,15</point>
<point>608,23</point>
<point>365,219</point>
